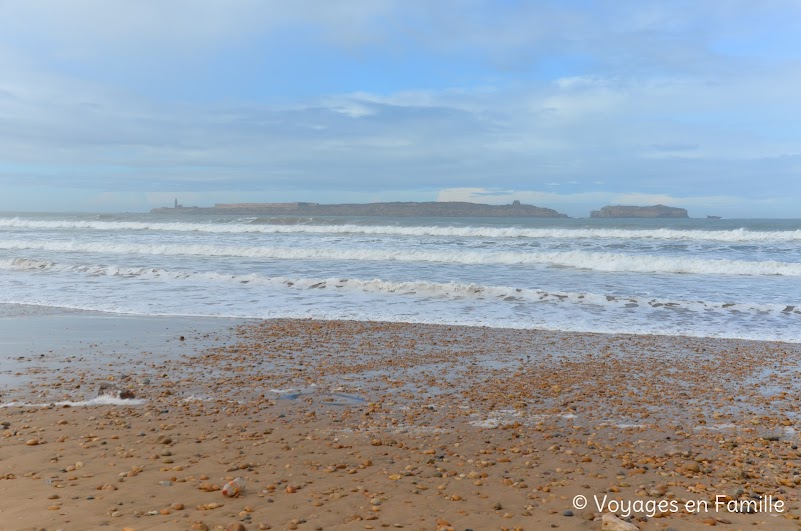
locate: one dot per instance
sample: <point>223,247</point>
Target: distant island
<point>655,211</point>
<point>398,209</point>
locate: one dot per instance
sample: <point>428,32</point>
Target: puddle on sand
<point>324,398</point>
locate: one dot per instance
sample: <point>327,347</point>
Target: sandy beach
<point>354,425</point>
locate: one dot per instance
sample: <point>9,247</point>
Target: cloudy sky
<point>111,105</point>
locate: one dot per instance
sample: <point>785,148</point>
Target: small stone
<point>567,513</point>
<point>109,389</point>
<point>610,522</point>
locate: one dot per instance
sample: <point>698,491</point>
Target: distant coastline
<point>397,209</point>
<point>419,209</point>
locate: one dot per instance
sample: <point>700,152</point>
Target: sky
<point>113,105</point>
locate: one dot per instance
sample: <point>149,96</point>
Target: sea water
<point>695,277</point>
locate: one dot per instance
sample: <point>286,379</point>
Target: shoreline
<point>354,425</point>
<point>7,310</point>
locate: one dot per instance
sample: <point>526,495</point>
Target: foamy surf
<point>420,289</point>
<point>732,279</point>
<point>740,235</point>
<point>102,400</point>
<point>595,261</point>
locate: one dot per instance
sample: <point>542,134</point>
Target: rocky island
<point>655,211</point>
<point>398,209</point>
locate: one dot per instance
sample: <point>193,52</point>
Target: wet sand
<point>352,425</point>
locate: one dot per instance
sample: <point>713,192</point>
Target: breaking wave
<point>595,261</point>
<point>281,225</point>
<point>417,288</point>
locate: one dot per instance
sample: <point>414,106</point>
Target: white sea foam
<point>194,398</point>
<point>103,400</point>
<point>692,277</point>
<point>489,423</point>
<point>421,288</point>
<point>596,261</point>
<point>716,427</point>
<point>732,235</point>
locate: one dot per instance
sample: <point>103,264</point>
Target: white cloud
<point>660,110</point>
<point>635,198</point>
<point>93,27</point>
<point>536,197</point>
<point>624,36</point>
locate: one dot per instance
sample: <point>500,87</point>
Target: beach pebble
<point>109,389</point>
<point>610,522</point>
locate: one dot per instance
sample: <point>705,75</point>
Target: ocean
<point>689,277</point>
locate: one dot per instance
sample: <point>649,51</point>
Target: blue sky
<point>111,105</point>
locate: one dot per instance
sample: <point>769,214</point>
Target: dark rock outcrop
<point>655,211</point>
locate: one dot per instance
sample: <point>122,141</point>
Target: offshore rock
<point>655,211</point>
